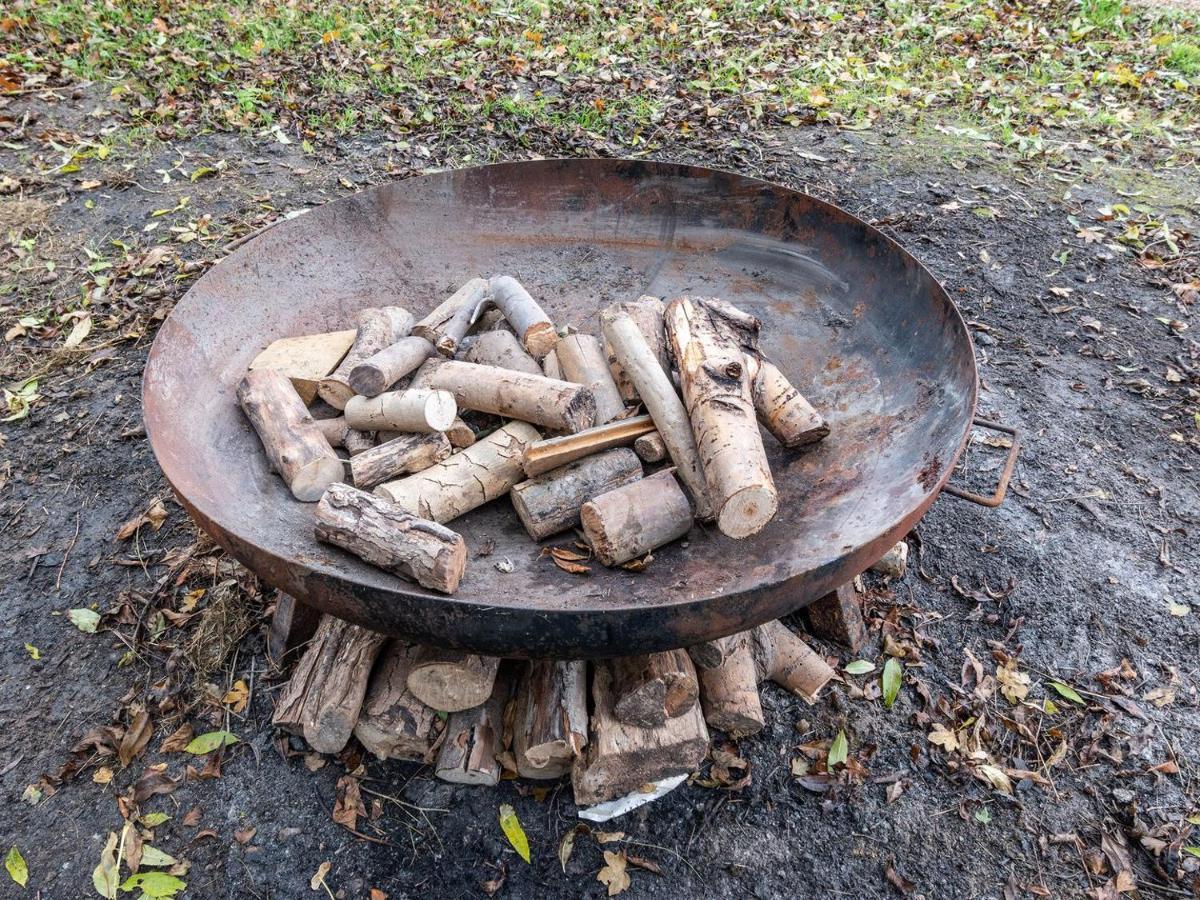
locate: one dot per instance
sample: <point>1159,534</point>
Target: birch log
<point>550,503</point>
<point>650,448</point>
<point>378,328</point>
<point>474,737</point>
<point>550,722</point>
<point>402,455</point>
<point>502,350</point>
<point>357,442</point>
<point>449,680</point>
<point>452,318</point>
<point>781,408</point>
<point>393,723</point>
<point>583,362</point>
<point>551,368</point>
<point>729,690</point>
<point>413,410</point>
<point>461,434</point>
<point>559,405</point>
<point>650,688</point>
<point>542,456</point>
<point>377,373</point>
<point>636,518</point>
<point>334,430</point>
<point>781,657</point>
<point>528,320</point>
<point>647,314</point>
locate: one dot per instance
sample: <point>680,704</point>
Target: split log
<point>323,698</point>
<point>712,372</point>
<point>378,328</point>
<point>449,680</point>
<point>650,448</point>
<point>402,455</point>
<point>452,318</point>
<point>474,737</point>
<point>528,320</point>
<point>894,563</point>
<point>636,518</point>
<point>550,503</point>
<point>294,443</point>
<point>647,314</point>
<point>382,534</point>
<point>838,617</point>
<point>653,687</point>
<point>377,373</point>
<point>305,360</point>
<point>413,410</point>
<point>550,724</point>
<point>620,758</point>
<point>658,395</point>
<point>357,442</point>
<point>292,626</point>
<point>502,350</point>
<point>467,479</point>
<point>783,658</point>
<point>583,362</point>
<point>551,453</point>
<point>729,690</point>
<point>393,723</point>
<point>559,405</point>
<point>461,434</point>
<point>781,408</point>
<point>551,368</point>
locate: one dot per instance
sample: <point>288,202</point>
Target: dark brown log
<point>838,617</point>
<point>647,314</point>
<point>653,687</point>
<point>293,625</point>
<point>528,320</point>
<point>550,502</point>
<point>452,318</point>
<point>378,328</point>
<point>729,690</point>
<point>583,362</point>
<point>394,724</point>
<point>650,448</point>
<point>559,405</point>
<point>781,408</point>
<point>449,680</point>
<point>550,724</point>
<point>400,456</point>
<point>502,350</point>
<point>377,373</point>
<point>305,360</point>
<point>474,738</point>
<point>636,518</point>
<point>542,456</point>
<point>783,658</point>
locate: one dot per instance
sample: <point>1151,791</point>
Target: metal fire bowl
<point>857,323</point>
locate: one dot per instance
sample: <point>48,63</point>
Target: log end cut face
<point>748,511</point>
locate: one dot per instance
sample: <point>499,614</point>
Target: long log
<point>582,361</point>
<point>452,318</point>
<point>393,723</point>
<point>474,737</point>
<point>449,680</point>
<point>542,456</point>
<point>377,373</point>
<point>636,518</point>
<point>653,687</point>
<point>559,405</point>
<point>647,314</point>
<point>502,350</point>
<point>402,455</point>
<point>549,503</point>
<point>550,723</point>
<point>528,320</point>
<point>294,443</point>
<point>378,327</point>
<point>413,410</point>
<point>781,408</point>
<point>729,690</point>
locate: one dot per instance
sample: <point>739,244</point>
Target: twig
<point>66,555</point>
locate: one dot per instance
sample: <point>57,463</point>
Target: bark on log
<point>461,434</point>
<point>293,625</point>
<point>473,739</point>
<point>894,563</point>
<point>402,455</point>
<point>647,314</point>
<point>305,360</point>
<point>551,368</point>
<point>413,410</point>
<point>452,318</point>
<point>449,680</point>
<point>528,320</point>
<point>502,350</point>
<point>380,533</point>
<point>650,448</point>
<point>651,688</point>
<point>583,362</point>
<point>378,328</point>
<point>393,723</point>
<point>334,430</point>
<point>323,698</point>
<point>781,408</point>
<point>294,443</point>
<point>658,395</point>
<point>559,405</point>
<point>838,617</point>
<point>467,479</point>
<point>783,658</point>
<point>357,442</point>
<point>620,758</point>
<point>711,654</point>
<point>543,456</point>
<point>550,503</point>
<point>377,373</point>
<point>712,371</point>
<point>636,518</point>
<point>550,724</point>
<point>729,690</point>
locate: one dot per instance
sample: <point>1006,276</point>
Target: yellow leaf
<point>17,869</point>
<point>237,696</point>
<point>944,737</point>
<point>1014,685</point>
<point>102,775</point>
<point>996,777</point>
<point>613,874</point>
<point>511,826</point>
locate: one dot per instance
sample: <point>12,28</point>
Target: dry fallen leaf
<point>318,878</point>
<point>349,800</point>
<point>178,739</point>
<point>154,516</point>
<point>236,697</point>
<point>1014,685</point>
<point>135,739</point>
<point>944,737</point>
<point>613,873</point>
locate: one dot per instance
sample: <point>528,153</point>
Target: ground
<point>1044,738</point>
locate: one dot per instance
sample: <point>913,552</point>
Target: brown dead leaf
<point>318,878</point>
<point>102,775</point>
<point>178,739</point>
<point>898,881</point>
<point>607,837</point>
<point>236,696</point>
<point>573,567</point>
<point>613,873</point>
<point>155,781</point>
<point>154,516</point>
<point>244,835</point>
<point>192,818</point>
<point>377,894</point>
<point>638,565</point>
<point>135,739</point>
<point>1170,767</point>
<point>642,863</point>
<point>348,805</point>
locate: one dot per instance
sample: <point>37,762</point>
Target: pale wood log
<point>502,350</point>
<point>636,518</point>
<point>666,409</point>
<point>894,563</point>
<point>549,503</point>
<point>295,445</point>
<point>334,430</point>
<point>620,758</point>
<point>551,453</point>
<point>781,408</point>
<point>449,680</point>
<point>650,448</point>
<point>729,690</point>
<point>305,360</point>
<point>293,625</point>
<point>528,320</point>
<point>559,405</point>
<point>402,455</point>
<point>466,479</point>
<point>377,373</point>
<point>781,657</point>
<point>461,434</point>
<point>583,362</point>
<point>380,533</point>
<point>712,372</point>
<point>393,723</point>
<point>742,327</point>
<point>412,410</point>
<point>551,368</point>
<point>357,442</point>
<point>474,737</point>
<point>378,328</point>
<point>710,654</point>
<point>550,723</point>
<point>647,314</point>
<point>490,320</point>
<point>452,318</point>
<point>653,687</point>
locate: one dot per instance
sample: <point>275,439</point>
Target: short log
<point>357,442</point>
<point>551,368</point>
<point>783,658</point>
<point>452,318</point>
<point>838,617</point>
<point>474,738</point>
<point>710,654</point>
<point>653,687</point>
<point>582,361</point>
<point>781,408</point>
<point>502,350</point>
<point>550,721</point>
<point>378,328</point>
<point>636,518</point>
<point>550,502</point>
<point>647,314</point>
<point>377,373</point>
<point>542,456</point>
<point>402,455</point>
<point>650,448</point>
<point>729,690</point>
<point>461,434</point>
<point>305,360</point>
<point>894,563</point>
<point>528,320</point>
<point>393,723</point>
<point>413,410</point>
<point>449,680</point>
<point>334,430</point>
<point>558,405</point>
<point>293,625</point>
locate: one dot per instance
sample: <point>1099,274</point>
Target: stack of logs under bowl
<point>577,416</point>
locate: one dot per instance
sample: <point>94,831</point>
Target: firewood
<point>450,320</point>
<point>334,430</point>
<point>550,723</point>
<point>551,368</point>
<point>551,453</point>
<point>583,362</point>
<point>305,360</point>
<point>473,739</point>
<point>449,680</point>
<point>559,405</point>
<point>292,626</point>
<point>620,758</point>
<point>323,698</point>
<point>461,434</point>
<point>783,658</point>
<point>838,617</point>
<point>357,442</point>
<point>636,518</point>
<point>466,479</point>
<point>528,320</point>
<point>402,455</point>
<point>377,328</point>
<point>647,314</point>
<point>377,373</point>
<point>394,724</point>
<point>413,410</point>
<point>712,372</point>
<point>658,395</point>
<point>650,448</point>
<point>893,563</point>
<point>294,443</point>
<point>729,690</point>
<point>653,687</point>
<point>550,502</point>
<point>781,408</point>
<point>502,350</point>
<point>380,533</point>
<point>710,654</point>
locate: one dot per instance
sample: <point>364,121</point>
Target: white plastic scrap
<point>610,809</point>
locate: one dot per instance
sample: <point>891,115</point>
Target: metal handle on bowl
<point>1005,475</point>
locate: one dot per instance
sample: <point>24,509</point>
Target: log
<point>393,723</point>
<point>838,617</point>
<point>636,518</point>
<point>380,533</point>
<point>653,687</point>
<point>647,314</point>
<point>413,410</point>
<point>502,350</point>
<point>583,362</point>
<point>741,327</point>
<point>402,455</point>
<point>295,445</point>
<point>666,409</point>
<point>781,408</point>
<point>357,442</point>
<point>620,758</point>
<point>551,453</point>
<point>558,405</point>
<point>474,737</point>
<point>551,368</point>
<point>550,502</point>
<point>293,625</point>
<point>452,318</point>
<point>894,563</point>
<point>377,373</point>
<point>781,657</point>
<point>305,360</point>
<point>528,320</point>
<point>712,372</point>
<point>550,723</point>
<point>449,680</point>
<point>461,434</point>
<point>729,690</point>
<point>710,654</point>
<point>650,448</point>
<point>334,430</point>
<point>378,328</point>
<point>466,479</point>
<point>323,698</point>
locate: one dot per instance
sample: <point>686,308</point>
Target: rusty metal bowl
<point>855,321</point>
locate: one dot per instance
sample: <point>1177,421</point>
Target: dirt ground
<point>1092,560</point>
